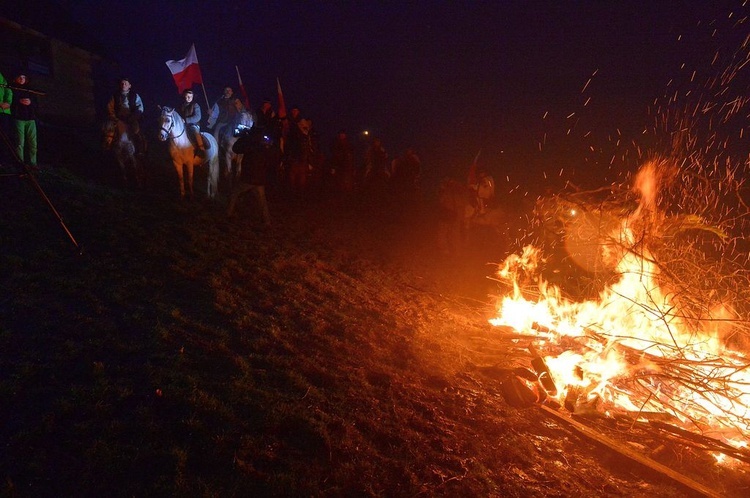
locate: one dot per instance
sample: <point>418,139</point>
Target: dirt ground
<point>335,354</point>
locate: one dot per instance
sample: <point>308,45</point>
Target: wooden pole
<point>632,454</point>
<point>208,106</point>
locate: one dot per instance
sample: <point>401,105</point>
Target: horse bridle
<point>168,131</point>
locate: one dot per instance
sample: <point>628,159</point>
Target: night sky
<point>449,78</point>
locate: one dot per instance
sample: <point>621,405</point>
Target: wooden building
<point>70,75</point>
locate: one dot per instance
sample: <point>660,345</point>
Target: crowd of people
<point>294,159</point>
<point>281,149</point>
<point>304,163</point>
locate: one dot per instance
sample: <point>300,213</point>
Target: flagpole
<point>208,106</point>
<point>203,85</point>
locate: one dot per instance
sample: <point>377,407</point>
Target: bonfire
<point>666,336</point>
<point>634,300</point>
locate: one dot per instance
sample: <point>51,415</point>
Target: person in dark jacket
<point>190,110</point>
<point>258,156</point>
<point>342,162</point>
<point>127,106</point>
<point>224,112</point>
<point>23,110</point>
<point>267,122</point>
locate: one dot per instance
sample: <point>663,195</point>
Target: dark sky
<point>449,78</point>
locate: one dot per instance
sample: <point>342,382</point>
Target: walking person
<point>258,156</point>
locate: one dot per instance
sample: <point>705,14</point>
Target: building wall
<point>62,71</point>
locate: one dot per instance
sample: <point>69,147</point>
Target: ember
<point>656,325</point>
<point>636,349</point>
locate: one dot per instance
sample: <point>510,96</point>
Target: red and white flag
<point>282,105</point>
<point>186,72</point>
<point>245,98</point>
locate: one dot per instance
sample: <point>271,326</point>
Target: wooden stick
<point>632,454</point>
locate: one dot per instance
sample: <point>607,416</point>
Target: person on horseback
<point>191,113</point>
<point>224,112</point>
<point>126,106</point>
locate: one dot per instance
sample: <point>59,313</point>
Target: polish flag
<point>282,114</point>
<point>282,105</point>
<point>186,72</point>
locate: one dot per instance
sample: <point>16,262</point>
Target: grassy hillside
<point>336,354</point>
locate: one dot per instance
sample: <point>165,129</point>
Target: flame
<point>634,347</point>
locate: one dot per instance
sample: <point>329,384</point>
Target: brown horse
<point>118,139</point>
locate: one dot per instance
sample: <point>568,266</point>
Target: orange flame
<point>634,349</point>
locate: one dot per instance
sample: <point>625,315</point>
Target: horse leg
<point>190,171</point>
<point>180,180</point>
<point>227,168</point>
<point>213,177</point>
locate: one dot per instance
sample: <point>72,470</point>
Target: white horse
<point>232,160</point>
<point>182,152</point>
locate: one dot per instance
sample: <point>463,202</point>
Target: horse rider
<point>191,113</point>
<point>224,112</point>
<point>126,106</point>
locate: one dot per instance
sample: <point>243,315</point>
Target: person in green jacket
<point>6,97</point>
<point>24,110</point>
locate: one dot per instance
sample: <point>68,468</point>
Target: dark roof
<point>51,18</point>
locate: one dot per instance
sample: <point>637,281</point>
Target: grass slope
<point>188,355</point>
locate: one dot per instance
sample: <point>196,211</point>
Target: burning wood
<point>658,341</point>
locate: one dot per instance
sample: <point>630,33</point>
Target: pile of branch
<point>693,236</point>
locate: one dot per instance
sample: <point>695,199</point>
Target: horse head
<point>167,121</point>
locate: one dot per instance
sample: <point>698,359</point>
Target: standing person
<point>266,116</point>
<point>342,162</point>
<point>405,172</point>
<point>269,124</point>
<point>6,97</point>
<point>223,112</point>
<point>191,113</point>
<point>258,156</point>
<point>23,109</point>
<point>376,165</point>
<point>126,105</point>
